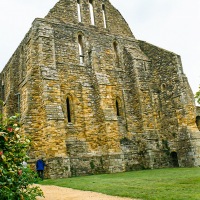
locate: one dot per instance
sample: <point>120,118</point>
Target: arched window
<point>68,102</point>
<point>104,16</point>
<point>117,108</point>
<point>91,11</point>
<point>79,10</point>
<point>80,47</point>
<point>115,46</point>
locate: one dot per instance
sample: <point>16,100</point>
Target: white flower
<point>18,136</point>
<point>17,129</point>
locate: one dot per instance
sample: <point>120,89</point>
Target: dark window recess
<point>68,110</point>
<point>117,108</point>
<point>115,46</point>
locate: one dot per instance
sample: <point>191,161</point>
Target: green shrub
<point>15,180</point>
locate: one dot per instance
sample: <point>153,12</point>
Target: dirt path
<point>60,193</point>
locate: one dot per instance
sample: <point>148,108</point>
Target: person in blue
<point>40,164</point>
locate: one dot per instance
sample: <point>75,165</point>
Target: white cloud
<point>16,18</point>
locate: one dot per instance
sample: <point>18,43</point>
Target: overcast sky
<point>171,24</point>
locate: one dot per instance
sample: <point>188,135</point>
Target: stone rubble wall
<point>156,115</point>
<point>65,12</point>
<point>177,106</point>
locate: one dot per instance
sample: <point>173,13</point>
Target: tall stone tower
<point>94,99</point>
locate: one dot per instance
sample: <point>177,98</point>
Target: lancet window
<point>79,11</point>
<point>104,16</point>
<point>91,7</point>
<point>80,47</point>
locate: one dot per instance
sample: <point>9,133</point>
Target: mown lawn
<point>159,184</point>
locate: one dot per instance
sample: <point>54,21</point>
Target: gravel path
<point>60,193</point>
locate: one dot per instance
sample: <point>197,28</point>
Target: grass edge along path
<point>157,184</point>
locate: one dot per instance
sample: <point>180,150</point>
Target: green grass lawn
<point>159,184</point>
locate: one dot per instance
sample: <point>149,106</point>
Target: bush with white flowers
<point>15,179</point>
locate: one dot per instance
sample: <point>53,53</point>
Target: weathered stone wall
<point>65,12</point>
<point>176,106</point>
<point>127,106</point>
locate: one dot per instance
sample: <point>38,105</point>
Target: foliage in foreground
<point>15,179</point>
<point>165,184</point>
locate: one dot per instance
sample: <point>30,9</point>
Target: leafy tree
<point>197,96</point>
<point>15,179</point>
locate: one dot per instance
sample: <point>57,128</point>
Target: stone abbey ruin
<point>94,99</point>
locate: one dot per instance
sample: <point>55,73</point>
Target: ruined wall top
<point>99,14</point>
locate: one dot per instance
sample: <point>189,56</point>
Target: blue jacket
<point>40,165</point>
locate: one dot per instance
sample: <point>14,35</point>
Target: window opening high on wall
<point>79,10</point>
<point>80,46</point>
<point>104,16</point>
<point>68,110</point>
<point>91,11</point>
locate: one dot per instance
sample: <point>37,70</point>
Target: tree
<point>15,180</point>
<point>197,96</point>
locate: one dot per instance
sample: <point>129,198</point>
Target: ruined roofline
<point>124,20</point>
<point>18,47</point>
<point>58,23</point>
<point>131,37</point>
<point>162,49</point>
<point>141,43</point>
